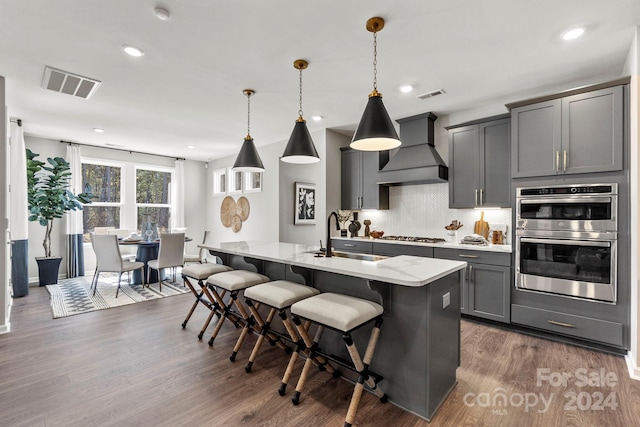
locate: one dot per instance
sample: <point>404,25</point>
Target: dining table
<point>147,250</point>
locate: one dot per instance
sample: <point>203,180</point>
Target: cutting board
<point>481,227</point>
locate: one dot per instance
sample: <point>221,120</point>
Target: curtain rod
<point>122,149</point>
<point>18,121</point>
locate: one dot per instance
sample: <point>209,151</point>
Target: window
<point>106,184</point>
<point>252,182</point>
<point>128,195</point>
<point>153,198</point>
<point>219,182</point>
<point>234,180</point>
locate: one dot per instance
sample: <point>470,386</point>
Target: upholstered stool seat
<point>278,295</point>
<point>344,314</point>
<point>337,311</point>
<point>234,282</point>
<point>199,273</point>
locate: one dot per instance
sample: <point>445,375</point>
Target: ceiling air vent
<point>431,94</point>
<point>69,83</point>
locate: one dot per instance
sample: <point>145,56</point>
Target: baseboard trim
<point>6,328</point>
<point>634,370</point>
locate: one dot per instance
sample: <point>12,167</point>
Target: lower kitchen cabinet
<point>569,324</point>
<point>352,245</point>
<point>485,287</point>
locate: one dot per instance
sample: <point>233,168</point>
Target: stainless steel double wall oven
<point>566,240</point>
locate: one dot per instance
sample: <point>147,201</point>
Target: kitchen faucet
<point>328,252</point>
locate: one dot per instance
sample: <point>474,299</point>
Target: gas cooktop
<point>413,239</point>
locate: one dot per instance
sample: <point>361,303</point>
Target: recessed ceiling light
<point>406,88</point>
<point>191,147</point>
<point>99,130</point>
<point>132,50</point>
<point>573,34</point>
<point>317,118</point>
<point>162,13</point>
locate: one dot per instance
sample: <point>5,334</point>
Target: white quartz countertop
<point>488,248</point>
<point>402,270</point>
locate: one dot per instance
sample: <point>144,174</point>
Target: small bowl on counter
<point>376,234</point>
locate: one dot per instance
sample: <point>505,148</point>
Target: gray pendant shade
<point>300,148</point>
<point>248,159</point>
<point>375,131</point>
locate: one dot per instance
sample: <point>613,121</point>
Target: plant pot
<point>343,232</point>
<point>48,268</point>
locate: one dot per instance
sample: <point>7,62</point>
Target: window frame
<point>111,163</point>
<point>172,189</point>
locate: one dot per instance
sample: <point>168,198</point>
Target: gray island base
<point>418,351</point>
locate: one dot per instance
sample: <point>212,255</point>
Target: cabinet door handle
<point>468,256</point>
<point>482,196</point>
<point>350,245</point>
<point>471,274</point>
<point>476,197</point>
<point>564,160</point>
<point>566,325</point>
<point>557,161</point>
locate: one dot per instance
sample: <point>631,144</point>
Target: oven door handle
<point>576,199</point>
<point>605,244</point>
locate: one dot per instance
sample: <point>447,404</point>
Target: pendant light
<point>375,131</point>
<point>248,159</point>
<point>300,148</point>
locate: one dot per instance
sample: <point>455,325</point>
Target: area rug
<point>72,296</point>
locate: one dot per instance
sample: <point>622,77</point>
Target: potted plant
<point>48,198</point>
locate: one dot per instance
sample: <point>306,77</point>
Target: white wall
<point>309,234</point>
<point>262,223</point>
<point>632,68</point>
<point>5,300</point>
<point>195,215</point>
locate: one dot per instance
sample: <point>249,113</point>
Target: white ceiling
<point>187,88</point>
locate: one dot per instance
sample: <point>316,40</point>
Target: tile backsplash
<point>423,210</point>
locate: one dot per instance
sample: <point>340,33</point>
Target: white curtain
<point>19,213</point>
<point>75,250</point>
<point>177,218</point>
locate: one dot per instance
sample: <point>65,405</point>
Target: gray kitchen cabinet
<point>485,286</point>
<point>479,165</point>
<point>390,249</point>
<point>585,327</point>
<point>581,133</point>
<point>359,172</point>
<point>352,245</point>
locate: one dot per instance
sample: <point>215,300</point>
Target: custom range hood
<point>416,161</point>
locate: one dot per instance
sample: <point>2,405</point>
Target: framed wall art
<point>305,203</point>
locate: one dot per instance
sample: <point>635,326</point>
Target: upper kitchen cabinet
<point>581,133</point>
<point>360,189</point>
<point>479,164</point>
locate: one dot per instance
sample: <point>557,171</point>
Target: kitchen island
<point>419,347</point>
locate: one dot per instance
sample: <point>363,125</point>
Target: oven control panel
<point>568,190</point>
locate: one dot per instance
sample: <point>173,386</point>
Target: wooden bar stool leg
<point>249,323</point>
<point>363,372</point>
<point>263,333</point>
<point>310,348</point>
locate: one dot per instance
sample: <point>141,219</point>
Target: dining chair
<point>170,255</point>
<point>127,253</point>
<point>109,259</point>
<point>201,255</point>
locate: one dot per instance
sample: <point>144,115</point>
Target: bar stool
<point>200,273</point>
<point>278,295</point>
<point>344,314</point>
<point>233,282</point>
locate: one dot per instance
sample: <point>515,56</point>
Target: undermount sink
<point>351,255</point>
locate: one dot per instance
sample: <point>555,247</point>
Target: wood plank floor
<point>135,366</point>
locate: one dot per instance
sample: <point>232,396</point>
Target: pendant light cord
<point>300,110</point>
<point>248,115</point>
<point>375,62</point>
